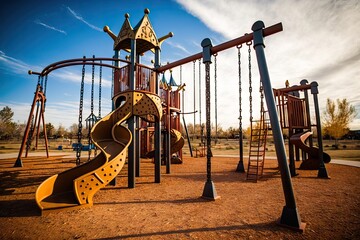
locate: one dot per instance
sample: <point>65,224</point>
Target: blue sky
<point>319,43</point>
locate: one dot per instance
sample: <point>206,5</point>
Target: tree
<point>7,127</point>
<point>60,132</point>
<point>73,131</point>
<point>49,130</point>
<point>337,118</point>
<point>6,115</point>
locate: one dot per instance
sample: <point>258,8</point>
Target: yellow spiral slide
<point>77,186</point>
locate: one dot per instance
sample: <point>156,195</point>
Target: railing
<point>291,109</point>
<point>145,79</point>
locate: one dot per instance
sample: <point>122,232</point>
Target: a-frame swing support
<point>39,98</point>
<point>290,216</point>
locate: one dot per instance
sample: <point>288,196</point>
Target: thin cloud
<point>13,65</point>
<point>50,27</point>
<point>178,46</point>
<point>78,17</point>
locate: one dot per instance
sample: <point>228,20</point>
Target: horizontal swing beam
<point>74,62</point>
<point>232,43</point>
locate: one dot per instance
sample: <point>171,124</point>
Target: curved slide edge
<point>176,142</point>
<point>77,186</point>
<point>313,161</point>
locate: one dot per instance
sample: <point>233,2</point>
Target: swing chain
<point>79,134</point>
<point>100,78</point>
<point>194,97</point>
<point>215,82</point>
<point>240,87</point>
<point>92,87</point>
<point>91,119</point>
<point>200,123</point>
<point>250,79</point>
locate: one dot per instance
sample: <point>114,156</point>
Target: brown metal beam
<point>232,43</point>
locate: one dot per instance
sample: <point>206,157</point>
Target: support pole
<point>187,136</point>
<point>308,119</point>
<point>131,121</point>
<point>116,64</point>
<point>157,158</point>
<point>209,188</point>
<point>167,133</point>
<point>138,145</point>
<point>290,216</point>
<point>137,132</point>
<point>322,173</point>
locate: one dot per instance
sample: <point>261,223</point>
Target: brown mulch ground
<point>173,209</point>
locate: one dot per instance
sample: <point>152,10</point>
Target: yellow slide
<point>177,141</point>
<point>77,186</point>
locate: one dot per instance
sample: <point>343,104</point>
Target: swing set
<point>146,118</point>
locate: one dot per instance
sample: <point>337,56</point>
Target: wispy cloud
<point>63,112</point>
<point>13,65</point>
<point>72,76</point>
<point>78,17</point>
<point>50,27</point>
<point>178,46</point>
<point>317,44</point>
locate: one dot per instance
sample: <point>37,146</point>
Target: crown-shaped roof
<point>143,33</point>
<point>172,81</point>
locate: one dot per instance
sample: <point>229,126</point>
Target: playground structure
<point>295,116</point>
<point>151,108</point>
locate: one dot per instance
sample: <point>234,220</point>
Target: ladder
<point>257,148</point>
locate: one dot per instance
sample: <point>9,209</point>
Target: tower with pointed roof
<point>133,75</point>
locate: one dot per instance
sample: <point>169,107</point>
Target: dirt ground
<point>173,209</point>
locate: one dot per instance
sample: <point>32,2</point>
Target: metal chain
<point>216,113</point>
<point>81,104</point>
<point>250,79</point>
<point>208,126</point>
<point>92,87</point>
<point>200,122</point>
<point>240,89</point>
<point>91,118</point>
<point>100,79</point>
<point>194,98</point>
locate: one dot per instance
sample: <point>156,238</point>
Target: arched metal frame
<point>80,61</point>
